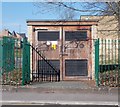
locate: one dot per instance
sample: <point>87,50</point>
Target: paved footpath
<point>70,93</point>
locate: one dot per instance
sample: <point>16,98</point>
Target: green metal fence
<point>106,62</point>
<point>14,61</point>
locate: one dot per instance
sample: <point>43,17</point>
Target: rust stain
<point>82,50</point>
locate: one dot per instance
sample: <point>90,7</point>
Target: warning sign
<point>54,45</point>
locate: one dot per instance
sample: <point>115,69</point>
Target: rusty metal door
<point>76,48</point>
<point>70,48</point>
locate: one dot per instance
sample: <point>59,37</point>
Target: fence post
<point>25,62</point>
<point>28,56</point>
<point>1,57</point>
<point>97,62</point>
<point>118,62</point>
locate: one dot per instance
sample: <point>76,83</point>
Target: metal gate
<point>14,61</point>
<point>107,65</point>
<point>44,66</point>
<point>44,70</point>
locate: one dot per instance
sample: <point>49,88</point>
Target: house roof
<point>23,35</point>
<point>5,32</point>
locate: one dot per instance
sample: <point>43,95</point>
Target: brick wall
<point>107,26</point>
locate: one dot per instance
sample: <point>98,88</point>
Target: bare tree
<point>92,8</point>
<point>69,10</point>
<point>67,14</point>
<point>61,12</point>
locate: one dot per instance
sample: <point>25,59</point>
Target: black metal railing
<point>42,69</point>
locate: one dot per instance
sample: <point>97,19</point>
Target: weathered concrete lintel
<point>60,23</point>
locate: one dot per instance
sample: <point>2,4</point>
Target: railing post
<point>28,56</point>
<point>59,76</point>
<point>25,62</point>
<point>1,57</point>
<point>97,62</point>
<point>118,62</point>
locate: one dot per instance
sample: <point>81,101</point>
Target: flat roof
<point>34,20</point>
<point>60,22</point>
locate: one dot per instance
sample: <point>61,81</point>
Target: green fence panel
<point>7,54</point>
<point>107,62</point>
<point>14,60</point>
<point>97,62</point>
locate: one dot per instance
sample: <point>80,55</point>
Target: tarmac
<point>62,86</point>
<point>63,92</point>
